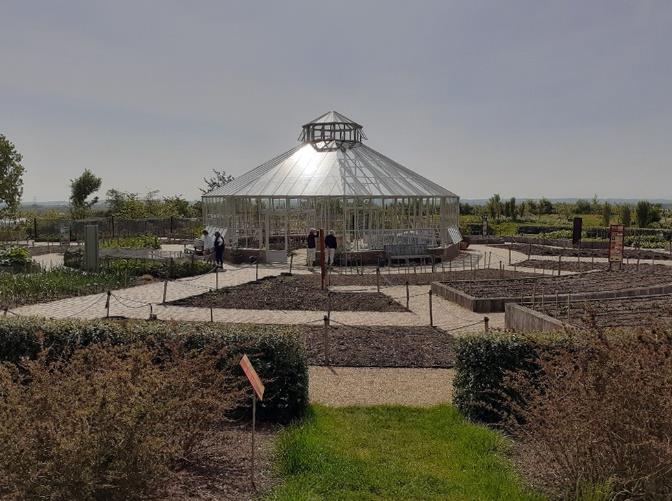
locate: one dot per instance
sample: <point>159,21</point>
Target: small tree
<point>125,205</point>
<point>606,214</point>
<point>582,207</point>
<point>643,213</point>
<point>177,206</point>
<point>220,179</point>
<point>494,206</point>
<point>466,209</point>
<point>533,207</point>
<point>80,189</point>
<point>11,178</point>
<point>545,206</point>
<point>626,215</point>
<point>510,208</point>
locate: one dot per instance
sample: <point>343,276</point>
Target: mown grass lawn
<point>394,453</point>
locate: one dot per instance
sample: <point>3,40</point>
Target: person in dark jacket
<point>310,252</point>
<point>219,249</point>
<point>331,245</point>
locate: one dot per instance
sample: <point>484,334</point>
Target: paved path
<point>134,302</point>
<point>48,261</point>
<point>339,386</point>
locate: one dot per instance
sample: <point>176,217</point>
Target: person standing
<point>310,252</point>
<point>331,245</point>
<point>208,245</point>
<point>219,249</point>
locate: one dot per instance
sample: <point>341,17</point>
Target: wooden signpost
<point>258,392</point>
<point>616,233</point>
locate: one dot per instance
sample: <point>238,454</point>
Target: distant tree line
<point>644,214</point>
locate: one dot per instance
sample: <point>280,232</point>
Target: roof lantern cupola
<point>332,131</point>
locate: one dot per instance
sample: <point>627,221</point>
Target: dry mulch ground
<point>636,312</point>
<point>596,281</point>
<point>297,292</point>
<point>380,346</point>
<point>399,276</point>
<point>547,250</point>
<point>567,264</point>
<point>221,470</point>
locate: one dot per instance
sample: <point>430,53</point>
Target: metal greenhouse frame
<point>331,180</point>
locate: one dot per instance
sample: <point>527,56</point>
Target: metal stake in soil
<point>254,421</point>
<point>329,304</point>
<point>165,291</point>
<point>486,324</point>
<point>431,312</point>
<point>291,263</point>
<point>408,296</point>
<point>325,341</point>
<point>107,304</point>
<point>378,279</point>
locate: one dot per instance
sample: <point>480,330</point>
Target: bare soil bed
<point>642,312</point>
<point>380,346</point>
<point>547,250</point>
<point>565,265</point>
<point>596,281</point>
<point>221,468</point>
<point>297,292</point>
<point>394,277</point>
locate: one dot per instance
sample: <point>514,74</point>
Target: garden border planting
<point>275,351</point>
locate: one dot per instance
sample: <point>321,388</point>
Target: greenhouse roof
<point>353,170</point>
<point>332,117</point>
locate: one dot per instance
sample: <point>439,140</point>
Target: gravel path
<point>345,386</point>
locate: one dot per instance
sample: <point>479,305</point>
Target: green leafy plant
<point>135,242</point>
<point>13,256</point>
<point>57,283</point>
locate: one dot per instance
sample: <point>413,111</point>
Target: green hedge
<point>275,351</point>
<point>482,363</point>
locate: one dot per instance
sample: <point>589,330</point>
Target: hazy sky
<point>525,98</point>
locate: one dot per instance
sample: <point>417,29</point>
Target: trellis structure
<point>332,180</point>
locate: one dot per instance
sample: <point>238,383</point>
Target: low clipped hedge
<point>275,351</point>
<point>482,363</point>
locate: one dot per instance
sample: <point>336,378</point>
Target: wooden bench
<point>406,252</point>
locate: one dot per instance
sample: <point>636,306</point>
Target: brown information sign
<point>252,377</point>
<point>616,232</point>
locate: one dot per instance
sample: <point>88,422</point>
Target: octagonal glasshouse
<point>332,181</point>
